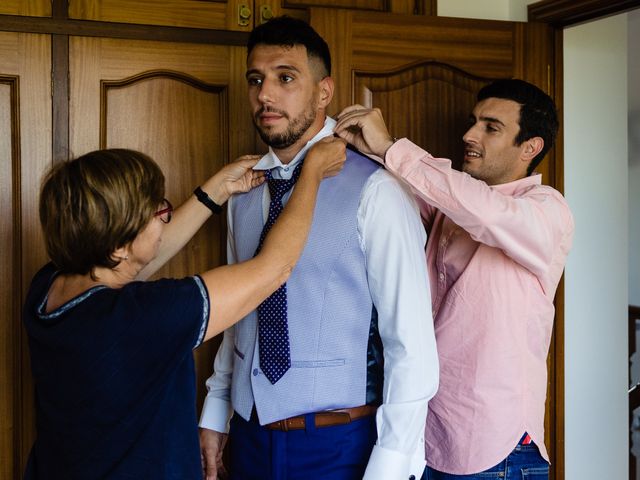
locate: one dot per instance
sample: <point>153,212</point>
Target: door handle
<point>244,15</point>
<point>266,13</point>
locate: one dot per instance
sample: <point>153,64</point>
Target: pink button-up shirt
<point>495,255</point>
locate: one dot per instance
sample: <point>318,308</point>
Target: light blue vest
<point>329,307</point>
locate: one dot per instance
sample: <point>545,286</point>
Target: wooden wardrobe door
<point>35,8</point>
<point>25,153</point>
<point>182,104</point>
<point>424,73</point>
<point>177,13</point>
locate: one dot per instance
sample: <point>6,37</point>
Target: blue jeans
<point>523,463</point>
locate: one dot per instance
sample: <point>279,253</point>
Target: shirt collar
<point>519,185</point>
<point>271,160</point>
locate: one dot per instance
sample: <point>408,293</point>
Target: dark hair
<point>538,115</point>
<point>288,31</point>
<point>95,204</point>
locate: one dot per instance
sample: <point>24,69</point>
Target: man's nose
<point>267,92</point>
<point>471,135</point>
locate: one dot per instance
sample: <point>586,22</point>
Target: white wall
<point>633,75</point>
<point>513,10</point>
<point>634,157</point>
<point>495,9</point>
<point>596,276</point>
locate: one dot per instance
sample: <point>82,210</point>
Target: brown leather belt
<point>329,418</point>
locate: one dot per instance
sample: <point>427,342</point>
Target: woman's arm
<point>235,290</point>
<point>189,217</point>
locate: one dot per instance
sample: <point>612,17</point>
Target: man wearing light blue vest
<point>331,376</point>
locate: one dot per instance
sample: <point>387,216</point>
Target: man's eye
<point>491,128</point>
<point>253,81</point>
<point>286,78</point>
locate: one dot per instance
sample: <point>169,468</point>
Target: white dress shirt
<point>392,238</point>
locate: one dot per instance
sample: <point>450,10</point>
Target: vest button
<point>255,372</point>
<point>412,477</point>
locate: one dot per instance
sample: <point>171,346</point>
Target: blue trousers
<point>340,452</point>
<point>523,463</point>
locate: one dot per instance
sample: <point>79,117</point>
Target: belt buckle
<point>331,418</point>
<point>345,415</point>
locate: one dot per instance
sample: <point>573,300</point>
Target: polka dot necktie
<point>273,332</point>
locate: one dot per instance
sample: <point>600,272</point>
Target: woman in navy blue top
<point>111,355</point>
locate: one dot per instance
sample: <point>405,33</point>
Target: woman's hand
<point>236,177</point>
<point>326,158</point>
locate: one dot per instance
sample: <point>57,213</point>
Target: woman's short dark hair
<point>538,115</point>
<point>95,204</point>
<point>287,31</point>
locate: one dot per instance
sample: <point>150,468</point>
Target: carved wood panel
<point>35,8</point>
<point>25,153</point>
<point>184,105</point>
<point>184,131</point>
<point>441,98</point>
<point>177,13</point>
<point>9,268</point>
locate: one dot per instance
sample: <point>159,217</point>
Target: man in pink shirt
<point>498,243</point>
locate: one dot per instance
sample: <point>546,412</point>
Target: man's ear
<point>532,147</point>
<point>325,86</point>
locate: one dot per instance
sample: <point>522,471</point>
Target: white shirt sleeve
<point>393,239</point>
<point>217,410</point>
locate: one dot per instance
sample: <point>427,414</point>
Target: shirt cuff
<point>216,414</point>
<point>385,464</point>
<point>393,158</point>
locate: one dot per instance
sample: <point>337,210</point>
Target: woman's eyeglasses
<point>165,212</point>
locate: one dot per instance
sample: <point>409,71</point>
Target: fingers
<point>248,160</point>
<point>329,143</point>
<point>244,164</point>
<point>351,122</point>
<point>257,178</point>
<point>327,156</point>
<point>327,139</point>
<point>258,174</point>
<point>211,445</point>
<point>211,471</point>
<point>332,147</point>
<point>209,464</point>
<point>364,128</point>
<point>349,109</point>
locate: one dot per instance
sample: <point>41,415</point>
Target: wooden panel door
<point>177,13</point>
<point>424,72</point>
<point>182,104</point>
<point>34,8</point>
<point>25,153</point>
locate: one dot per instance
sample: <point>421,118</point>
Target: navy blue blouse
<point>115,380</point>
